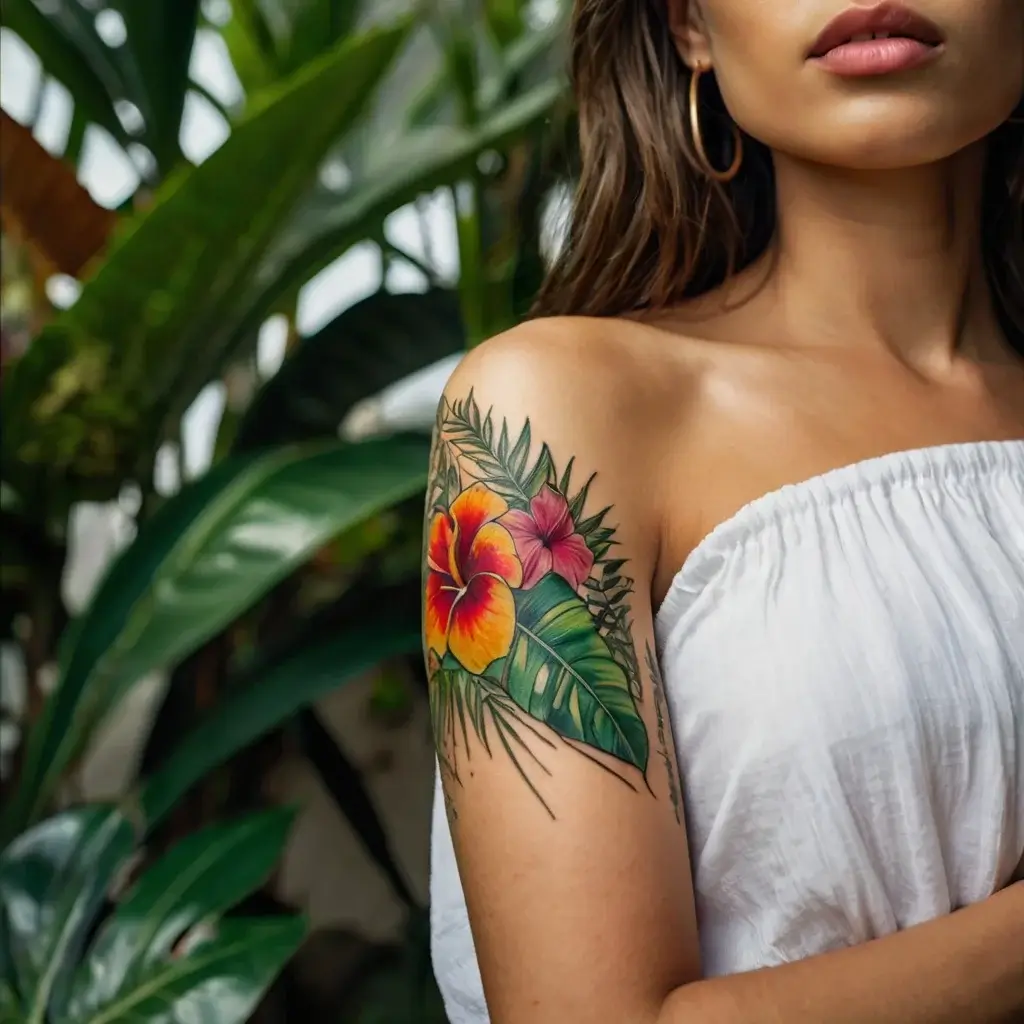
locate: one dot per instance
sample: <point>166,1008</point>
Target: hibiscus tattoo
<point>526,610</point>
<point>546,541</point>
<point>472,564</point>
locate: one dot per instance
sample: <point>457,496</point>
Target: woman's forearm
<point>968,966</point>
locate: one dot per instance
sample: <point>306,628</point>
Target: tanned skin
<point>577,462</point>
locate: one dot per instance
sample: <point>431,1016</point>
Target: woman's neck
<point>885,260</point>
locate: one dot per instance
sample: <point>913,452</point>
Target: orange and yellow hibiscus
<point>472,565</point>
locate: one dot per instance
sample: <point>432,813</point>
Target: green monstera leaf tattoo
<point>561,671</point>
<point>527,617</point>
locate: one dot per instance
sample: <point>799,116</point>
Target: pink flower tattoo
<point>546,540</point>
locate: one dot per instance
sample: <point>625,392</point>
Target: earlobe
<point>686,23</point>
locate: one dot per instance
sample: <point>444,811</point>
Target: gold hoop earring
<point>698,137</point>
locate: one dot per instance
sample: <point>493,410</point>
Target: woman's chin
<point>892,144</point>
<point>882,133</point>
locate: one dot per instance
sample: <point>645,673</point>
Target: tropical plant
<point>148,69</point>
<point>168,942</point>
<point>291,567</point>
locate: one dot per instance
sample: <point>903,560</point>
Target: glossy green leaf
<point>268,39</point>
<point>149,69</point>
<point>218,974</point>
<point>273,693</point>
<point>64,57</point>
<point>204,875</point>
<point>504,19</point>
<point>314,25</point>
<point>155,59</point>
<point>251,46</point>
<point>53,880</point>
<point>327,225</point>
<point>561,671</point>
<point>208,554</point>
<point>369,346</point>
<point>88,402</point>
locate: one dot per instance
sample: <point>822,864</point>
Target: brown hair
<point>649,227</point>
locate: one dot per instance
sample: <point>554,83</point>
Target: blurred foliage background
<point>290,566</point>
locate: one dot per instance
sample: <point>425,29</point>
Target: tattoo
<point>526,613</point>
<point>449,805</point>
<point>667,756</point>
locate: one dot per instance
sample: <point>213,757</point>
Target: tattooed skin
<point>527,620</point>
<point>664,748</point>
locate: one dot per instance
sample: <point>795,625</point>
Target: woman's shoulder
<point>643,406</point>
<point>594,368</point>
<point>596,397</point>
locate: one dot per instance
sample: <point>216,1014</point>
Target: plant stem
<point>217,105</point>
<point>425,267</point>
<point>471,278</point>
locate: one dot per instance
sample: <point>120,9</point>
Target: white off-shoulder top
<point>844,668</point>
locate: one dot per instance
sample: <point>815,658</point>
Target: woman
<point>781,350</point>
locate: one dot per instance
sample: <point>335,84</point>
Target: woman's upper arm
<point>550,720</point>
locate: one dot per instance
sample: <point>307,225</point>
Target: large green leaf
<point>155,60</point>
<point>53,880</point>
<point>505,19</point>
<point>89,401</point>
<point>561,671</point>
<point>271,38</point>
<point>327,225</point>
<point>160,957</point>
<point>271,694</point>
<point>60,49</point>
<point>196,881</point>
<point>218,979</point>
<point>251,46</point>
<point>310,26</point>
<point>208,554</point>
<point>149,69</point>
<point>532,57</point>
<point>369,346</point>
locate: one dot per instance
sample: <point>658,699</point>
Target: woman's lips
<point>862,58</point>
<point>860,24</point>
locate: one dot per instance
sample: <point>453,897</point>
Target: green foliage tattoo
<point>665,752</point>
<point>526,612</point>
